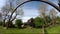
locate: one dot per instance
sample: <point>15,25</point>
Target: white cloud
<point>25,19</point>
<point>29,13</point>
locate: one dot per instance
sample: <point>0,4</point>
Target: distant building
<point>30,22</point>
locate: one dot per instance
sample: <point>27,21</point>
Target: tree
<point>53,14</point>
<point>58,20</point>
<point>18,23</point>
<point>7,9</point>
<point>42,12</point>
<point>38,22</point>
<point>48,19</point>
<point>0,17</point>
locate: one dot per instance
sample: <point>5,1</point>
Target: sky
<point>2,3</point>
<point>30,9</point>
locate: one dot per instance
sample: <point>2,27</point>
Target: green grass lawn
<point>54,30</point>
<point>19,31</point>
<point>28,30</point>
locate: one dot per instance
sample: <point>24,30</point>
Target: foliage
<point>1,23</point>
<point>18,23</point>
<point>7,11</point>
<point>39,21</point>
<point>48,19</point>
<point>58,19</point>
<point>53,13</point>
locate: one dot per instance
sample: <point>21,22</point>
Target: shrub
<point>1,23</point>
<point>18,23</point>
<point>38,21</point>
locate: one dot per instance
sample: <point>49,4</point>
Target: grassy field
<point>54,30</point>
<point>28,30</point>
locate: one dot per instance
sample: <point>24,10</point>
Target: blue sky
<point>30,9</point>
<point>2,3</point>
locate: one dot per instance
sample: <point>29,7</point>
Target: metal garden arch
<point>47,2</point>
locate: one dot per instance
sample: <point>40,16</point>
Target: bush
<point>18,23</point>
<point>38,22</point>
<point>1,23</point>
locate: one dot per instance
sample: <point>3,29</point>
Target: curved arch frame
<point>47,2</point>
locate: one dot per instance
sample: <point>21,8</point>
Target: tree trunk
<point>4,24</point>
<point>7,24</point>
<point>43,30</point>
